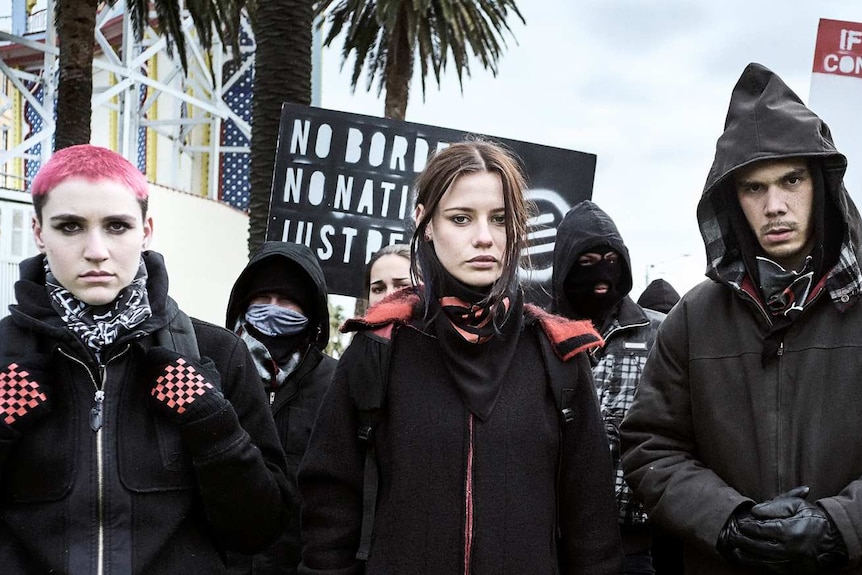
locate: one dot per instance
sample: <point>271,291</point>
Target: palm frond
<point>439,33</point>
<point>219,16</point>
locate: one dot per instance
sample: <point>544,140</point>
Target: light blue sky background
<point>644,85</point>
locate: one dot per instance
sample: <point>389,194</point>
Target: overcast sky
<point>644,85</point>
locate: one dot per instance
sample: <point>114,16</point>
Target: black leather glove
<point>23,399</point>
<point>181,388</point>
<point>785,535</point>
<point>729,539</point>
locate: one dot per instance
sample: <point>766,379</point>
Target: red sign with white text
<point>839,48</point>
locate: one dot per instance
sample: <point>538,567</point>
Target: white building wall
<point>203,242</point>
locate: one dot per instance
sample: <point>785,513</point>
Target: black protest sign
<point>342,185</point>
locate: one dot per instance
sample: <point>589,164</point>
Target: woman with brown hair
<point>386,272</point>
<point>486,453</point>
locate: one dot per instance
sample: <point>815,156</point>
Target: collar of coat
<point>567,337</point>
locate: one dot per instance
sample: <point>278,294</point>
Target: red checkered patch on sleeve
<point>19,394</point>
<point>179,385</point>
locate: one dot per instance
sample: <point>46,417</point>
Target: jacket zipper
<point>598,353</point>
<point>779,353</point>
<point>468,501</point>
<point>96,425</point>
<point>614,330</point>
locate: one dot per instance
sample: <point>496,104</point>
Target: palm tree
<point>76,25</point>
<point>282,73</point>
<point>387,34</point>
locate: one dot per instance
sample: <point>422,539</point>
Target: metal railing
<point>36,22</point>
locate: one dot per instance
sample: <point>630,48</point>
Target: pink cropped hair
<point>91,163</point>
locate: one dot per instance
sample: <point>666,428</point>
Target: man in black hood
<point>591,280</point>
<point>743,435</point>
<point>278,307</point>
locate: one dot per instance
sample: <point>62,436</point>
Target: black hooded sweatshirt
<point>659,295</point>
<point>629,332</point>
<point>295,403</point>
<point>713,425</point>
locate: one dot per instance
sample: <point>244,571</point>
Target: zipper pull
<point>271,397</point>
<point>96,411</point>
<point>781,348</point>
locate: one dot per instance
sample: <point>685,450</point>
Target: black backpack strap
<point>561,377</point>
<point>179,335</point>
<point>367,384</point>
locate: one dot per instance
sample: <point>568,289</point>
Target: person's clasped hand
<point>181,388</point>
<point>785,535</point>
<point>23,396</point>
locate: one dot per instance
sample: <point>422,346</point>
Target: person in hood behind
<point>659,295</point>
<point>278,307</point>
<point>591,280</point>
<point>742,438</point>
<point>132,438</point>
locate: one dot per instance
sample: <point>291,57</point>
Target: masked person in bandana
<point>278,307</point>
<point>743,437</point>
<point>591,280</point>
<point>133,439</point>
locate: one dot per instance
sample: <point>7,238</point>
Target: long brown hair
<point>437,178</point>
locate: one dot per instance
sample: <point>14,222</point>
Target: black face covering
<point>580,284</point>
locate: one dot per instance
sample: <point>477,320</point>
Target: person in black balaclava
<point>591,280</point>
<point>278,307</point>
<point>742,437</point>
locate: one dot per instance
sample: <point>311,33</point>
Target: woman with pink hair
<point>133,439</point>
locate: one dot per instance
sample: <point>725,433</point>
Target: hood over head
<point>289,269</point>
<point>584,227</point>
<point>766,120</point>
<point>659,295</point>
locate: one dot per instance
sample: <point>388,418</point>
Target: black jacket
<point>715,424</point>
<point>142,494</point>
<point>296,402</point>
<point>434,455</point>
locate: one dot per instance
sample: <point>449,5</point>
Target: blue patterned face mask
<point>273,320</point>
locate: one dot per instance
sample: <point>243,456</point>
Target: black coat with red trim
<point>427,439</point>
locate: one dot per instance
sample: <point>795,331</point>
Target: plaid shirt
<point>616,372</point>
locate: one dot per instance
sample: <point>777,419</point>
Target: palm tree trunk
<point>76,23</point>
<point>282,73</point>
<point>399,68</point>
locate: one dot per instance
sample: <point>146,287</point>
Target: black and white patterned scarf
<point>272,373</point>
<point>99,326</point>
